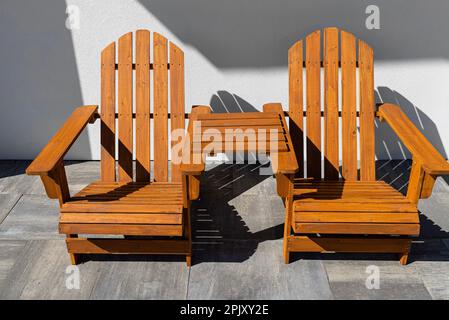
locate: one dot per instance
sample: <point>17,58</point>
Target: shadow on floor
<point>219,232</point>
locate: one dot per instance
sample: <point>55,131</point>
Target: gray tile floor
<point>237,247</point>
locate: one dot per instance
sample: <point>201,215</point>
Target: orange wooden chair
<point>152,216</point>
<point>354,212</point>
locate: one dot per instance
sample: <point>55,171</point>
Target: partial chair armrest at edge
<point>284,164</point>
<point>428,163</point>
<point>48,164</point>
<point>190,169</point>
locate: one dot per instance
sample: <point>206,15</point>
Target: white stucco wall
<point>236,47</point>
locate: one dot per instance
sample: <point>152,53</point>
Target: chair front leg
<point>416,181</point>
<point>288,214</point>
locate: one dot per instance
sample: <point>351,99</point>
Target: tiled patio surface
<point>237,247</point>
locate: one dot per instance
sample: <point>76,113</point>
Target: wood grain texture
<point>427,187</point>
<point>367,110</point>
<point>128,229</point>
<point>118,218</point>
<point>349,122</point>
<point>415,182</point>
<point>282,162</point>
<point>404,229</point>
<point>160,108</point>
<point>177,103</point>
<point>357,217</point>
<point>143,142</point>
<point>193,162</point>
<point>107,246</point>
<point>125,107</point>
<point>313,75</point>
<point>314,244</point>
<point>295,97</point>
<point>108,113</point>
<point>331,133</point>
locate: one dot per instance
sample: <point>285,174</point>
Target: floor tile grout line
<point>12,207</point>
<point>328,280</point>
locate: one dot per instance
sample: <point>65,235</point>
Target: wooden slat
<point>137,183</point>
<point>106,246</point>
<point>273,121</point>
<point>128,229</point>
<point>143,105</point>
<point>125,107</point>
<point>108,113</point>
<point>190,165</point>
<point>354,206</point>
<point>328,244</point>
<point>367,147</point>
<point>117,218</point>
<point>160,108</point>
<point>415,182</point>
<point>296,109</point>
<point>313,105</point>
<point>345,194</point>
<point>127,200</point>
<point>117,207</point>
<point>237,116</point>
<point>349,124</point>
<point>359,228</point>
<point>209,136</point>
<point>356,217</point>
<point>331,133</point>
<point>176,102</point>
<point>248,129</point>
<point>282,162</point>
<point>427,186</point>
<point>244,145</point>
<point>353,198</point>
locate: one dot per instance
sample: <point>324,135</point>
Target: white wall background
<point>235,52</point>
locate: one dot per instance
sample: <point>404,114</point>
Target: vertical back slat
<point>108,113</point>
<point>313,62</point>
<point>349,111</point>
<point>295,89</point>
<point>142,105</point>
<point>367,148</point>
<point>125,107</point>
<point>176,101</point>
<point>331,164</point>
<point>160,108</point>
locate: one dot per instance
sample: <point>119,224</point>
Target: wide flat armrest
<point>286,162</point>
<point>193,160</point>
<point>431,160</point>
<point>61,142</point>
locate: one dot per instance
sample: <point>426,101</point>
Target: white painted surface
<point>231,47</point>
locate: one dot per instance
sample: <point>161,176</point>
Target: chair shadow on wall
<point>226,102</point>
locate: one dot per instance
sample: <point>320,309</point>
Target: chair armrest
<point>61,142</point>
<point>431,160</point>
<point>193,160</point>
<point>282,162</point>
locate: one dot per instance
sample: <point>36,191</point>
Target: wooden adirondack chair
<point>354,212</point>
<point>153,216</point>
